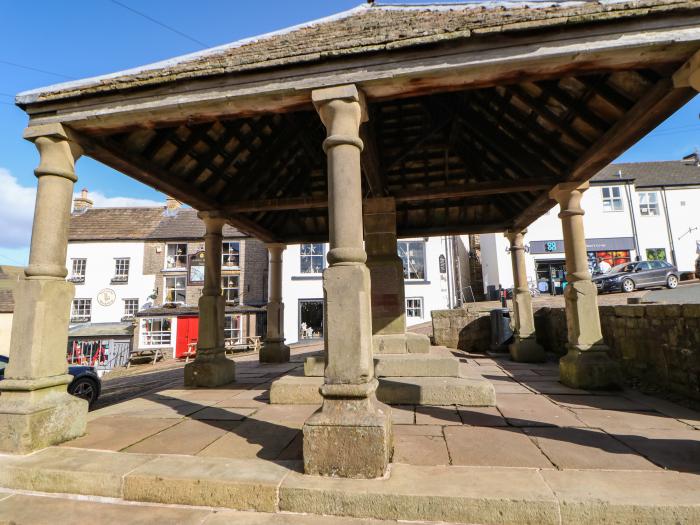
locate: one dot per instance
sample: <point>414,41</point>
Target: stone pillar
<point>274,350</point>
<point>525,347</point>
<point>386,271</point>
<point>211,367</point>
<point>36,411</point>
<point>587,364</point>
<point>350,436</point>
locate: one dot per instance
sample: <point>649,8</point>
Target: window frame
<point>119,275</point>
<point>312,256</point>
<point>78,304</point>
<point>232,329</point>
<point>612,199</point>
<point>648,208</point>
<point>405,259</point>
<point>128,315</point>
<point>225,253</point>
<point>225,289</point>
<point>418,307</point>
<point>76,277</point>
<point>166,288</point>
<point>160,342</point>
<point>175,266</point>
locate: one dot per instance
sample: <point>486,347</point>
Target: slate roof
<point>166,311</point>
<point>137,224</point>
<point>101,330</point>
<point>364,29</point>
<point>8,278</point>
<point>652,174</point>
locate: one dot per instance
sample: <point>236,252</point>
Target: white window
<point>121,270</point>
<point>414,307</point>
<point>648,203</point>
<point>232,328</point>
<point>412,255</point>
<point>131,306</point>
<point>77,274</point>
<point>81,311</point>
<point>612,199</point>
<point>176,256</point>
<point>231,255</point>
<point>230,288</point>
<point>155,332</point>
<point>313,258</point>
<point>175,289</point>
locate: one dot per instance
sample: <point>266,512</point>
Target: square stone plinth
<point>349,438</point>
<point>210,374</point>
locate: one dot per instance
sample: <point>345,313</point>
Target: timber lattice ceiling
<point>456,162</point>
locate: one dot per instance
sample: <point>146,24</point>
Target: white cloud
<point>17,210</point>
<point>100,200</point>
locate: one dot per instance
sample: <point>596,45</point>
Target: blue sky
<point>83,38</point>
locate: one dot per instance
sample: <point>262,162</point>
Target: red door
<point>187,329</point>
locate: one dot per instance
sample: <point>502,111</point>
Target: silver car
<point>628,277</point>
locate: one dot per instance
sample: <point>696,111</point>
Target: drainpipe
<point>447,269</point>
<point>633,221</point>
<point>668,226</point>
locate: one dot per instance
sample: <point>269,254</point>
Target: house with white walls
<point>633,211</point>
<point>434,269</point>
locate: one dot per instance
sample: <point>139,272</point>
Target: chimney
<point>172,205</point>
<point>82,204</point>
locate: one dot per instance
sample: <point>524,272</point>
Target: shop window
<point>603,262</point>
<point>121,270</point>
<point>232,328</point>
<point>649,203</point>
<point>175,289</point>
<point>230,285</point>
<point>77,274</point>
<point>612,199</point>
<point>414,307</point>
<point>176,256</point>
<point>412,255</point>
<point>656,254</point>
<point>231,255</point>
<point>81,311</point>
<point>156,332</point>
<point>312,258</point>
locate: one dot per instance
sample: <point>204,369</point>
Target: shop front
<point>603,254</point>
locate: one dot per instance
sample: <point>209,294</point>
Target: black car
<point>631,276</point>
<point>86,383</point>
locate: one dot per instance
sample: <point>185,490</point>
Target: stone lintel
<point>54,130</point>
<point>567,187</point>
<point>348,92</point>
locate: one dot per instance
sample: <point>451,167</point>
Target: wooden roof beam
<point>371,165</point>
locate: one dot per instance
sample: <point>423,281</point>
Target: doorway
<point>310,319</point>
<point>551,277</point>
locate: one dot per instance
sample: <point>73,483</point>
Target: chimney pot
<point>82,203</point>
<point>172,205</point>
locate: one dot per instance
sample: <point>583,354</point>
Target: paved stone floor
<point>539,426</point>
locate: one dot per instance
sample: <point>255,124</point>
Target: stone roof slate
<point>652,174</point>
<point>139,224</point>
<point>364,29</point>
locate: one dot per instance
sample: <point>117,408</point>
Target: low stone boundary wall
<point>657,344</point>
<point>467,328</point>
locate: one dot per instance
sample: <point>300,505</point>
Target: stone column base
<point>349,438</point>
<point>589,369</point>
<point>33,418</point>
<point>401,343</point>
<point>527,350</point>
<point>274,351</point>
<point>209,371</point>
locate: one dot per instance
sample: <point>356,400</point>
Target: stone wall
<point>657,344</point>
<point>467,328</point>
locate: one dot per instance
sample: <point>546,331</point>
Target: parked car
<point>635,275</point>
<point>86,383</point>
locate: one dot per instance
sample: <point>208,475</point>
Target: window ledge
<point>308,277</point>
<point>174,270</point>
<point>415,281</point>
<point>76,280</point>
<point>119,281</point>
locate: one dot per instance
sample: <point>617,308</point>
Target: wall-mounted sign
<point>195,268</point>
<point>443,264</point>
<point>592,245</point>
<point>106,297</point>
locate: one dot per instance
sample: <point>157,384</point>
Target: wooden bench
<point>245,344</point>
<point>153,355</point>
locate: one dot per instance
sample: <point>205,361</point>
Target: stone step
<point>192,486</point>
<point>467,391</point>
<point>416,365</point>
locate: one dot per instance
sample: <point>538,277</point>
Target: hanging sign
<point>195,268</point>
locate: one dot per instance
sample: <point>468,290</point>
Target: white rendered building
<point>633,211</point>
<point>431,282</point>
